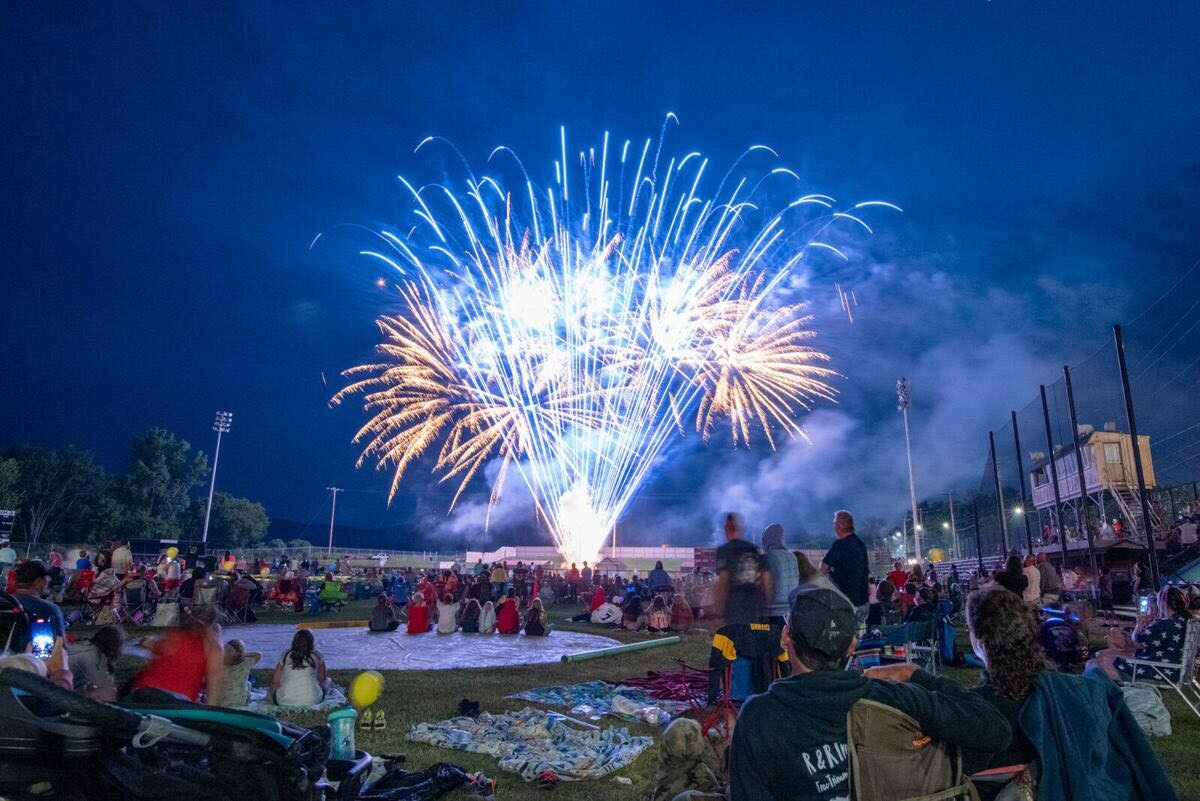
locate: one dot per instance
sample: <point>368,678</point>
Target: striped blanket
<point>530,741</point>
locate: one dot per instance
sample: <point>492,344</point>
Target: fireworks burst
<point>571,332</point>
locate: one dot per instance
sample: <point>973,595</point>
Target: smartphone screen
<point>42,637</point>
<point>1144,605</point>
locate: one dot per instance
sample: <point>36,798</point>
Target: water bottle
<point>341,725</point>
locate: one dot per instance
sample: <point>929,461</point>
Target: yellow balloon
<point>172,552</point>
<point>365,689</point>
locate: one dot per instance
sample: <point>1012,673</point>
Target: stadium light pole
<point>333,491</point>
<point>903,399</point>
<point>221,424</point>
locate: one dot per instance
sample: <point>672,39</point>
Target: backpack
<point>15,630</point>
<point>890,757</point>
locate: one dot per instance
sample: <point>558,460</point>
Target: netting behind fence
<point>1092,464</point>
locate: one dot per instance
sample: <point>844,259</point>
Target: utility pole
<point>953,528</point>
<point>903,399</point>
<point>221,425</point>
<point>333,491</point>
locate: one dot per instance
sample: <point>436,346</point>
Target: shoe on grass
<point>380,721</point>
<point>366,721</point>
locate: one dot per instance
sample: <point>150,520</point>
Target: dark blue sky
<point>164,167</point>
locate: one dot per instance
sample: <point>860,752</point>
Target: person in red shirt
<point>508,618</point>
<point>188,660</point>
<point>418,614</point>
<point>898,575</point>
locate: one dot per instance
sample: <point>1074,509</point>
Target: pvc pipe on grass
<point>618,649</point>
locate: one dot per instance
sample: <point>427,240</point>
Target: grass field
<point>414,696</point>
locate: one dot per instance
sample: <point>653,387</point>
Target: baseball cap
<point>822,620</point>
<point>31,571</point>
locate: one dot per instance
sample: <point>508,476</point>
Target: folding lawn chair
<point>1179,676</point>
<point>137,606</point>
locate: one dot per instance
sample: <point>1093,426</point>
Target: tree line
<point>64,495</point>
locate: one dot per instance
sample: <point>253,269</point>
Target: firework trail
<point>572,331</point>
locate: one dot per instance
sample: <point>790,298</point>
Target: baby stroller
<point>55,744</point>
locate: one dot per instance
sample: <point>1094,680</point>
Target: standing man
<point>1050,584</point>
<point>846,564</point>
<point>585,575</point>
<point>573,583</point>
<point>740,594</point>
<point>122,558</point>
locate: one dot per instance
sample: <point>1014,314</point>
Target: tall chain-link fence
<point>1030,495</point>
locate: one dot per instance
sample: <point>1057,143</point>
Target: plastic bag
<point>1148,710</point>
<point>424,785</point>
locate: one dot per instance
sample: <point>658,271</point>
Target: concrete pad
<point>353,648</point>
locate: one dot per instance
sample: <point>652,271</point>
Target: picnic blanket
<point>335,697</point>
<point>530,741</point>
<point>604,698</point>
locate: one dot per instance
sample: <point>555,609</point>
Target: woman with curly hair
<point>1075,734</point>
<point>1004,637</point>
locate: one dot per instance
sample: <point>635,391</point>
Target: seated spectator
<point>682,617</point>
<point>789,743</point>
<point>447,614</point>
<point>418,614</point>
<point>1077,727</point>
<point>30,581</point>
<point>608,614</point>
<point>889,604</point>
<point>487,618</point>
<point>471,613</point>
<point>300,678</point>
<point>188,660</point>
<point>897,575</point>
<point>1033,580</point>
<point>187,590</point>
<point>83,563</point>
<point>105,588</point>
<point>383,615</point>
<point>926,608</point>
<point>1012,577</point>
<point>94,663</point>
<point>633,616</point>
<point>535,619</point>
<point>508,619</point>
<point>659,616</point>
<point>1157,636</point>
<point>238,664</point>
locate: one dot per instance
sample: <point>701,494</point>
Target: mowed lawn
<point>412,697</point>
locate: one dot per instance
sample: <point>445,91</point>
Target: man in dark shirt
<point>740,577</point>
<point>790,742</point>
<point>31,579</point>
<point>846,562</point>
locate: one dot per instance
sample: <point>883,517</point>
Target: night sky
<point>165,166</point>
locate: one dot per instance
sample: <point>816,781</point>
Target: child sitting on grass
<point>447,609</point>
<point>238,664</point>
<point>659,617</point>
<point>470,617</point>
<point>487,618</point>
<point>418,614</point>
<point>535,620</point>
<point>508,619</point>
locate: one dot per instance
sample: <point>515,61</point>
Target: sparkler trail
<point>572,331</point>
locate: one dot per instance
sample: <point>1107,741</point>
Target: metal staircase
<point>1131,511</point>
